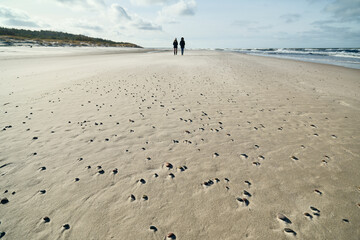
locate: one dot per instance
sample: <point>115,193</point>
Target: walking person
<point>175,43</point>
<point>182,45</point>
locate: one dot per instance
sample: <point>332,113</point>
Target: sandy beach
<point>147,145</point>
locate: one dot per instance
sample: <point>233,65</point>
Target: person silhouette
<point>175,43</point>
<point>182,45</point>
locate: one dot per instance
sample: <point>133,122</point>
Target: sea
<point>345,57</point>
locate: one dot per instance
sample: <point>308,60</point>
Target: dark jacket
<point>182,43</point>
<point>175,43</point>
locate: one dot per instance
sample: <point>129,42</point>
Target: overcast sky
<point>203,23</point>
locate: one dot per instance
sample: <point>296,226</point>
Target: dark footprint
<point>145,197</point>
<point>345,220</point>
<point>171,236</point>
<point>318,192</point>
<point>4,201</point>
<point>294,158</point>
<point>42,191</point>
<point>168,165</point>
<point>243,200</point>
<point>2,234</point>
<point>248,183</point>
<point>132,198</point>
<point>208,183</point>
<point>282,217</point>
<point>46,219</point>
<point>247,193</point>
<point>153,228</point>
<point>314,209</point>
<point>215,155</point>
<point>244,156</point>
<point>115,171</point>
<point>308,215</point>
<point>142,181</point>
<point>66,226</point>
<point>101,171</point>
<point>289,230</point>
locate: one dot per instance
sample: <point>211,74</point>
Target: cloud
<point>345,10</point>
<point>149,2</point>
<point>290,18</point>
<point>120,13</point>
<point>88,26</point>
<point>181,8</point>
<point>87,4</point>
<point>17,18</point>
<point>128,20</point>
<point>143,25</point>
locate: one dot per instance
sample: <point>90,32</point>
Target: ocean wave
<point>347,57</point>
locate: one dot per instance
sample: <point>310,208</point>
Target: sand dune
<point>209,145</point>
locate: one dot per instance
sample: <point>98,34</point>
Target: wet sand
<point>210,145</point>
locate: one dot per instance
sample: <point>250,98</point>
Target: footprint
<point>289,231</point>
<point>294,158</point>
<point>318,192</point>
<point>248,183</point>
<point>208,183</point>
<point>168,165</point>
<point>2,234</point>
<point>334,136</point>
<point>256,163</point>
<point>215,155</point>
<point>314,209</point>
<point>170,236</point>
<point>243,156</point>
<point>142,181</point>
<point>244,201</point>
<point>46,219</point>
<point>132,198</point>
<point>283,218</point>
<point>153,228</point>
<point>247,193</point>
<point>308,215</point>
<point>4,201</point>
<point>66,226</point>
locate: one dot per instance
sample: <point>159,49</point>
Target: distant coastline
<point>21,37</point>
<point>345,57</point>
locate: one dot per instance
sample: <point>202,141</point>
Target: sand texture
<point>210,145</point>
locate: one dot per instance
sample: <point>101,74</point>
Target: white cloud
<point>83,24</point>
<point>131,21</point>
<point>119,13</point>
<point>17,18</point>
<point>149,2</point>
<point>84,4</point>
<point>181,8</point>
